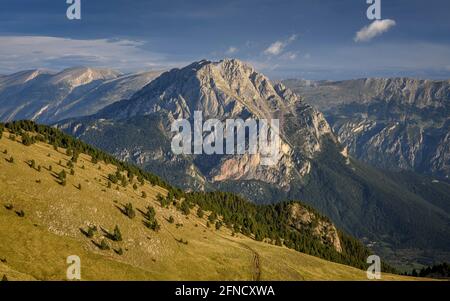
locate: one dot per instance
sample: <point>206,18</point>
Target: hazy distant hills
<point>391,212</point>
<point>398,124</point>
<point>47,97</point>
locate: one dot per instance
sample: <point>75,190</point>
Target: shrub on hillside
<point>104,245</point>
<point>129,211</point>
<point>185,208</point>
<point>117,235</point>
<point>200,212</point>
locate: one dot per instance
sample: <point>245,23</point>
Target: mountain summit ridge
<point>224,88</point>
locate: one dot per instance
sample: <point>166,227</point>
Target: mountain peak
<point>21,77</point>
<point>77,76</point>
<point>226,88</point>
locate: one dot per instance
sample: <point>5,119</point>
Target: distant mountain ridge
<point>399,123</point>
<point>46,96</point>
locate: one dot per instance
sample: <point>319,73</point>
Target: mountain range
<point>366,185</point>
<point>396,124</point>
<point>387,210</point>
<point>46,97</point>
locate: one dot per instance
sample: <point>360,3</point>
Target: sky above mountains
<point>313,39</point>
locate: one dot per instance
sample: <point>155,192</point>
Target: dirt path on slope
<point>256,261</point>
<point>256,271</point>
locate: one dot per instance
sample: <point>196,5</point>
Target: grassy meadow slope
<point>42,223</point>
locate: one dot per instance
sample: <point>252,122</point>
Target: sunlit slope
<point>36,245</point>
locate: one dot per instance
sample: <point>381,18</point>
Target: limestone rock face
<point>392,123</point>
<point>301,218</point>
<point>231,89</point>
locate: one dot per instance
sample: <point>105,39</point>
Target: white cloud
<point>277,47</point>
<point>290,55</point>
<point>232,50</point>
<point>29,52</point>
<point>377,28</point>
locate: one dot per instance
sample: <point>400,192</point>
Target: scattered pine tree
<point>117,235</point>
<point>185,208</point>
<point>129,211</point>
<point>200,212</point>
<point>104,245</point>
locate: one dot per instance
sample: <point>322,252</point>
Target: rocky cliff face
<point>301,218</point>
<point>396,123</point>
<point>231,89</point>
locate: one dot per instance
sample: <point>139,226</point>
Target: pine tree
<point>90,232</point>
<point>129,211</point>
<point>212,217</point>
<point>75,157</point>
<point>185,208</point>
<point>153,225</point>
<point>27,140</point>
<point>104,245</point>
<point>200,212</point>
<point>117,235</point>
<point>151,213</point>
<point>218,225</point>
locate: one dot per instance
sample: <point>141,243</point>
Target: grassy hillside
<point>42,221</point>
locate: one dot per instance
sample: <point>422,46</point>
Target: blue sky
<point>313,39</point>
